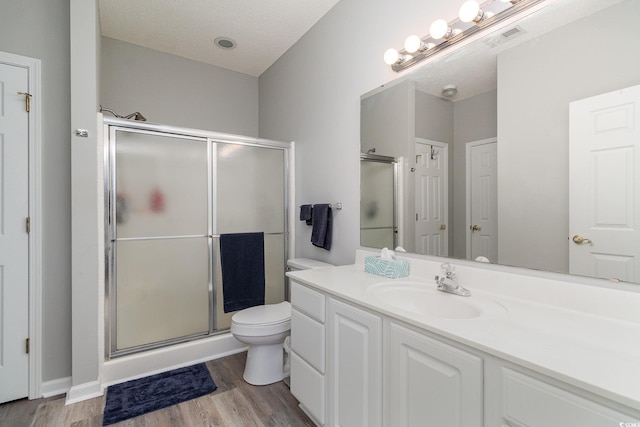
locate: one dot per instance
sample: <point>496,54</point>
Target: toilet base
<point>264,364</point>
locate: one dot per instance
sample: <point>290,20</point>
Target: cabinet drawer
<point>531,402</point>
<point>307,339</point>
<point>307,385</point>
<point>308,301</point>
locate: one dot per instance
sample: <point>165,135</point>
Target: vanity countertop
<point>543,330</point>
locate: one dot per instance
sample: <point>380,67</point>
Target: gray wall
<point>40,29</point>
<point>386,124</point>
<point>533,128</point>
<point>311,95</point>
<point>176,91</point>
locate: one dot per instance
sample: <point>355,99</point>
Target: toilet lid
<point>268,314</point>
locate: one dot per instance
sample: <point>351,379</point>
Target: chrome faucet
<point>447,281</point>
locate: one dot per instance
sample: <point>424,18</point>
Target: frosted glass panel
<point>162,290</point>
<point>250,189</point>
<point>377,186</point>
<point>161,185</point>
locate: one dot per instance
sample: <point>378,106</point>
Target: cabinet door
<point>527,401</point>
<point>430,383</point>
<point>307,385</point>
<point>354,370</point>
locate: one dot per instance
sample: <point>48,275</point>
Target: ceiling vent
<point>505,37</point>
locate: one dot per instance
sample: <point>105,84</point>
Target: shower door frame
<point>113,125</point>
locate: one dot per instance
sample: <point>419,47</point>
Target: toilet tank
<point>301,264</point>
<point>305,264</point>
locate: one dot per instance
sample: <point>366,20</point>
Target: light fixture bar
<point>419,56</point>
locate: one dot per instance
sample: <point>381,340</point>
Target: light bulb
<point>391,56</point>
<point>412,44</point>
<point>439,29</point>
<point>470,11</point>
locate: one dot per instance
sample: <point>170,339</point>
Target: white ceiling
<point>263,30</point>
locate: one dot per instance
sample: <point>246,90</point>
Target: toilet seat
<point>262,320</point>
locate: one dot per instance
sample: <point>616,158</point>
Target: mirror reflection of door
<point>482,200</point>
<point>431,186</point>
<point>604,200</point>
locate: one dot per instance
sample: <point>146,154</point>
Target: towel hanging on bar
<point>306,212</point>
<point>321,226</point>
<point>243,271</point>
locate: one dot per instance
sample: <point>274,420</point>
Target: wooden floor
<point>234,403</point>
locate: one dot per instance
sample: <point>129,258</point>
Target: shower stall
<point>169,195</point>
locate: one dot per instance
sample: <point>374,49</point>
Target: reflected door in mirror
<point>431,185</point>
<point>482,183</point>
<point>604,199</point>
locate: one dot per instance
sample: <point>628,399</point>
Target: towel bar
<point>338,206</point>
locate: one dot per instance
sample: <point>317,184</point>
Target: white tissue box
<point>392,269</point>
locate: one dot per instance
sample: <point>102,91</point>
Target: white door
<point>482,200</point>
<point>14,243</point>
<point>431,194</point>
<point>604,197</point>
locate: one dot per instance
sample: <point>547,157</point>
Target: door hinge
<point>27,347</point>
<point>28,221</point>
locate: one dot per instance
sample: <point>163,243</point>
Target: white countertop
<point>554,332</point>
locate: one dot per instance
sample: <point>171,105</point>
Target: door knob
<point>474,227</point>
<point>579,240</point>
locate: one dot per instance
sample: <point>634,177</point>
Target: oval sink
<point>421,298</point>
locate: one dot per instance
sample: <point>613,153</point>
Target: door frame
<point>468,147</point>
<point>33,67</point>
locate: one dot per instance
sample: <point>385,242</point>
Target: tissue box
<point>392,269</point>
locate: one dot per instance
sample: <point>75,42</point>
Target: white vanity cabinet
<point>523,398</point>
<point>429,382</point>
<point>354,366</point>
<point>308,351</point>
<point>354,369</point>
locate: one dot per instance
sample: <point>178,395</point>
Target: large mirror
<point>532,160</point>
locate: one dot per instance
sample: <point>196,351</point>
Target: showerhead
<point>134,116</point>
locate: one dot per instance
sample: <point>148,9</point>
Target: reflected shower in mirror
<point>523,174</point>
<point>378,178</point>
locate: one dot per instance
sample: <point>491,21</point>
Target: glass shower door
<point>160,238</point>
<point>250,183</point>
<point>377,203</point>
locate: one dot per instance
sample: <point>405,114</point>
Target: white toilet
<point>264,328</point>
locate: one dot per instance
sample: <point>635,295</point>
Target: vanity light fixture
<point>392,56</point>
<point>440,29</point>
<point>415,44</point>
<point>473,17</point>
<point>470,12</point>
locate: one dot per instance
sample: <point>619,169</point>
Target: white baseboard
<point>80,392</point>
<point>152,362</point>
<point>55,387</point>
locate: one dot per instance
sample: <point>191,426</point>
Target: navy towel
<point>306,211</point>
<point>321,230</point>
<point>242,260</point>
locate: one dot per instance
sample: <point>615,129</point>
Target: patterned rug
<point>144,395</point>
